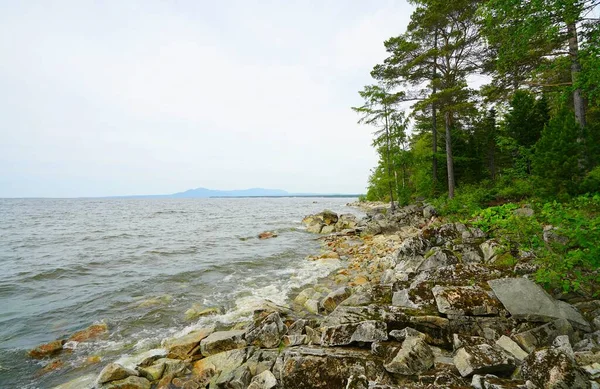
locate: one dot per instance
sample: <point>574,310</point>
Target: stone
<point>216,364</point>
<point>131,382</point>
<point>314,228</point>
<point>264,380</point>
<point>414,357</point>
<point>261,360</point>
<point>294,340</point>
<point>437,257</point>
<point>483,359</point>
<point>312,336</point>
<point>312,306</point>
<point>316,223</point>
<point>114,372</point>
<point>325,368</point>
<point>267,235</point>
<point>47,349</point>
<point>345,334</point>
<point>429,211</point>
<point>327,229</point>
<point>152,372</point>
<point>511,347</point>
<point>235,379</point>
<point>543,335</point>
<point>186,346</point>
<point>267,333</point>
<point>174,367</point>
<point>401,335</point>
<point>333,299</point>
<point>221,341</point>
<point>402,298</point>
<point>553,369</point>
<point>410,254</point>
<point>92,332</point>
<point>524,212</point>
<point>592,370</point>
<point>83,382</point>
<point>526,300</point>
<point>490,250</point>
<point>465,301</point>
<point>563,343</point>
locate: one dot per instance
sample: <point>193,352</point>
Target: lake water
<point>138,265</point>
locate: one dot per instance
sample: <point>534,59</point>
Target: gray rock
<point>438,257</point>
<point>267,333</point>
<point>114,372</point>
<point>528,301</point>
<point>483,359</point>
<point>222,363</point>
<point>294,340</point>
<point>264,380</point>
<point>401,335</point>
<point>429,211</point>
<point>236,379</point>
<point>328,229</point>
<point>186,346</point>
<point>563,344</point>
<point>465,301</point>
<point>261,360</point>
<point>401,298</point>
<point>131,382</point>
<point>410,254</point>
<point>357,382</point>
<point>153,372</point>
<point>543,335</point>
<point>333,299</point>
<point>490,249</point>
<point>414,357</point>
<point>221,341</point>
<point>511,347</point>
<point>551,368</point>
<point>524,212</point>
<point>345,334</point>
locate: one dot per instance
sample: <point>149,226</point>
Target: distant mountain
<point>253,192</point>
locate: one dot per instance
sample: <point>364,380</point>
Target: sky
<point>101,98</point>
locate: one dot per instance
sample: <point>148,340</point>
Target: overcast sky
<point>125,97</point>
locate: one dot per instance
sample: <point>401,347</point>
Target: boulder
<point>264,380</point>
<point>294,340</point>
<point>543,335</point>
<point>131,382</point>
<point>345,334</point>
<point>483,359</point>
<point>92,332</point>
<point>437,257</point>
<point>114,372</point>
<point>153,372</point>
<point>414,357</point>
<point>267,235</point>
<point>221,341</point>
<point>511,347</point>
<point>48,349</point>
<point>267,333</point>
<point>465,301</point>
<point>490,250</point>
<point>187,345</point>
<point>325,368</point>
<point>261,360</point>
<point>553,369</point>
<point>213,366</point>
<point>333,299</point>
<point>410,254</point>
<point>235,379</point>
<point>528,301</point>
<point>316,223</point>
<point>328,229</point>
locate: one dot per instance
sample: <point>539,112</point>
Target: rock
<point>187,345</point>
<point>414,357</point>
<point>328,229</point>
<point>410,254</point>
<point>267,333</point>
<point>543,335</point>
<point>524,212</point>
<point>345,222</point>
<point>429,211</point>
<point>261,360</point>
<point>153,372</point>
<point>316,223</point>
<point>314,228</point>
<point>563,344</point>
<point>174,367</point>
<point>294,340</point>
<point>264,380</point>
<point>345,334</point>
<point>402,298</point>
<point>312,306</point>
<point>465,301</point>
<point>48,349</point>
<point>131,382</point>
<point>403,334</point>
<point>483,359</point>
<point>267,235</point>
<point>213,366</point>
<point>437,257</point>
<point>221,341</point>
<point>552,235</point>
<point>331,301</point>
<point>114,372</point>
<point>325,368</point>
<point>83,382</point>
<point>236,379</point>
<point>91,332</point>
<point>312,336</point>
<point>528,301</point>
<point>511,347</point>
<point>552,369</point>
<point>490,250</point>
<point>592,370</point>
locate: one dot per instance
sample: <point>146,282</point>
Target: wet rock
<point>543,335</point>
<point>187,345</point>
<point>345,334</point>
<point>267,235</point>
<point>511,347</point>
<point>131,382</point>
<point>264,380</point>
<point>551,368</point>
<point>483,359</point>
<point>153,372</point>
<point>316,223</point>
<point>414,357</point>
<point>48,349</point>
<point>325,368</point>
<point>267,333</point>
<point>83,382</point>
<point>114,372</point>
<point>214,365</point>
<point>465,300</point>
<point>174,367</point>
<point>333,299</point>
<point>92,332</point>
<point>528,301</point>
<point>221,341</point>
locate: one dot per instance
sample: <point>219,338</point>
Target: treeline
<point>532,128</point>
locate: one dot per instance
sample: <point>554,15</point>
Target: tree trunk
<point>434,116</point>
<point>578,101</point>
<point>449,159</point>
<point>387,157</point>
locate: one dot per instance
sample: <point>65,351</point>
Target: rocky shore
<point>416,303</point>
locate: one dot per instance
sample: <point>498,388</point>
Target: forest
<point>482,107</point>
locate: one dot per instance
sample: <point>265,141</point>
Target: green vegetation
<point>529,136</point>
